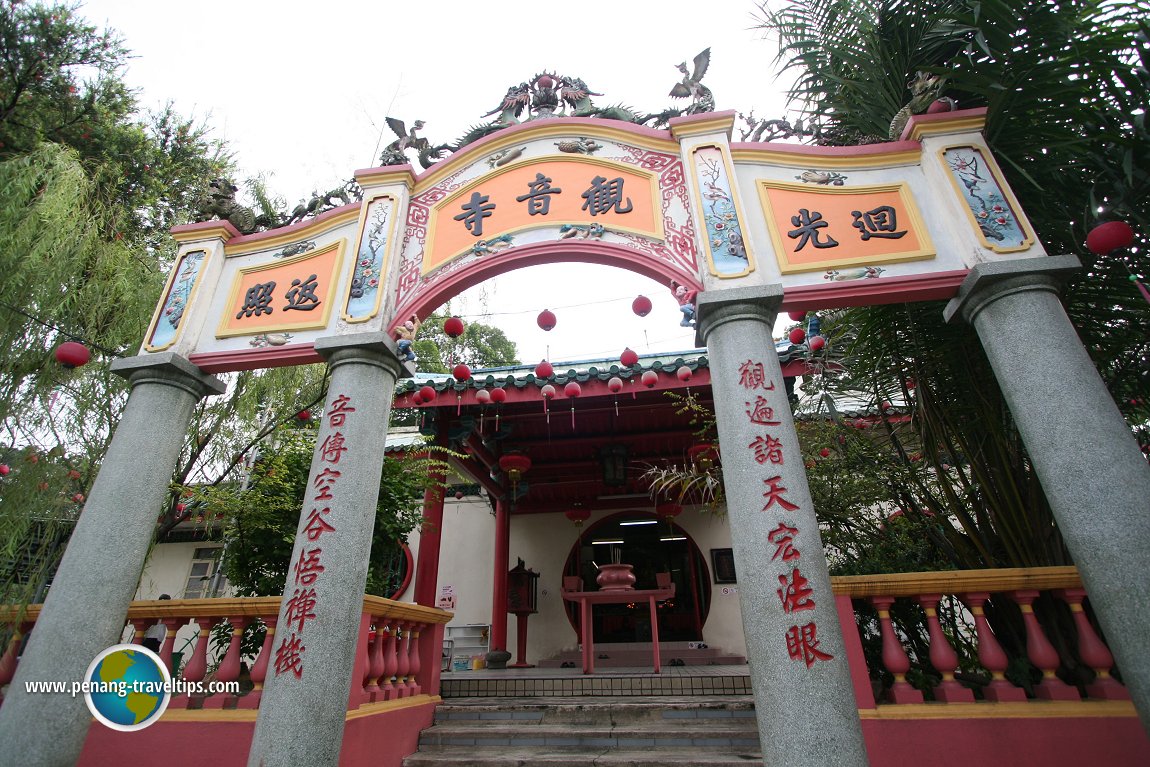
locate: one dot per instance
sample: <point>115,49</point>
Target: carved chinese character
<point>603,196</point>
<point>761,412</point>
<point>783,537</point>
<point>289,656</point>
<point>325,481</point>
<point>256,300</point>
<point>337,414</point>
<point>809,223</point>
<point>474,211</point>
<point>803,644</point>
<point>795,593</point>
<point>301,295</point>
<point>317,525</point>
<point>333,448</point>
<point>752,375</point>
<point>879,222</point>
<point>767,449</point>
<point>308,568</point>
<point>300,608</point>
<point>774,494</point>
<point>537,199</point>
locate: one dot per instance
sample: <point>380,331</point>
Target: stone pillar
<point>430,537</point>
<point>86,606</point>
<point>804,698</point>
<point>1094,476</point>
<point>499,578</point>
<point>305,698</point>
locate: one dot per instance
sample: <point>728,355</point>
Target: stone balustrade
<point>926,639</point>
<point>398,654</point>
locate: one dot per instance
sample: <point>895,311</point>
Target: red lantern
<point>458,495</point>
<point>578,516</point>
<point>72,355</point>
<point>572,389</point>
<point>303,416</point>
<point>453,326</point>
<point>615,385</point>
<point>683,373</point>
<point>668,510</point>
<point>628,358</point>
<point>703,455</point>
<point>641,306</point>
<point>816,343</point>
<point>461,372</point>
<point>797,316</point>
<point>78,498</point>
<point>514,465</point>
<point>5,469</point>
<point>483,397</point>
<point>797,335</point>
<point>544,370</point>
<point>547,391</point>
<point>650,378</point>
<point>546,319</point>
<point>498,395</point>
<point>427,393</point>
<point>416,397</point>
<point>1112,235</point>
<point>824,452</point>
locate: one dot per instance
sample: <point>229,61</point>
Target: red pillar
<point>499,589</point>
<point>430,539</point>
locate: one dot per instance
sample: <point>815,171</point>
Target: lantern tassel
<point>572,417</point>
<point>458,402</point>
<point>1142,289</point>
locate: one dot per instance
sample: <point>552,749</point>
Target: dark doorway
<point>652,545</point>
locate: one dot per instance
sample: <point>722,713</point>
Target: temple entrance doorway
<point>652,545</point>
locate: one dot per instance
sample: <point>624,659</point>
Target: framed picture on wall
<point>723,565</point>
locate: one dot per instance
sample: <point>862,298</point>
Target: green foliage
<point>480,346</point>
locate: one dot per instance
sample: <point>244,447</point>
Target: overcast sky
<point>300,92</point>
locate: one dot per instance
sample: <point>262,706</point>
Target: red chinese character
<point>325,480</point>
<point>795,594</point>
<point>752,376</point>
<point>767,449</point>
<point>300,608</point>
<point>783,537</point>
<point>761,412</point>
<point>774,494</point>
<point>333,448</point>
<point>289,656</point>
<point>803,644</point>
<point>316,525</point>
<point>308,568</point>
<point>339,410</point>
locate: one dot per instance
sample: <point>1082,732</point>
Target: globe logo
<point>127,687</point>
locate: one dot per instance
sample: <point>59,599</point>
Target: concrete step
<point>546,684</point>
<point>578,757</point>
<point>734,709</point>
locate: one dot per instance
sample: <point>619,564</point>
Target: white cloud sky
<point>300,92</point>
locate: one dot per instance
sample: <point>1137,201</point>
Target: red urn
<point>615,577</point>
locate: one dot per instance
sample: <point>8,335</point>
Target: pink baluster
<point>413,656</point>
<point>404,667</point>
<point>942,655</point>
<point>390,663</point>
<point>260,668</point>
<point>893,656</point>
<point>8,661</point>
<point>375,663</point>
<point>139,626</point>
<point>1041,653</point>
<point>991,655</point>
<point>197,666</point>
<point>229,668</point>
<point>1092,650</point>
<point>172,626</point>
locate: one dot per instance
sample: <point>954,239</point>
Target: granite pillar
<point>84,611</point>
<point>1091,469</point>
<point>804,698</point>
<point>302,714</point>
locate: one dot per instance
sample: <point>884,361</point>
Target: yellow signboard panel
<point>824,229</point>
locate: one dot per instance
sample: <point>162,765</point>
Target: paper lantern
<point>303,416</point>
<point>797,335</point>
<point>650,378</point>
<point>615,385</point>
<point>816,343</point>
<point>461,372</point>
<point>498,395</point>
<point>453,326</point>
<point>628,358</point>
<point>1110,236</point>
<point>683,373</point>
<point>547,391</point>
<point>544,370</point>
<point>578,516</point>
<point>797,316</point>
<point>702,455</point>
<point>427,393</point>
<point>641,306</point>
<point>483,397</point>
<point>546,319</point>
<point>668,510</point>
<point>572,389</point>
<point>72,355</point>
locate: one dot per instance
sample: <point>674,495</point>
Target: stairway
<point>605,732</point>
<point>631,654</point>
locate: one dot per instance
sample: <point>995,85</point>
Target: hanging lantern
<point>578,516</point>
<point>427,393</point>
<point>628,358</point>
<point>816,343</point>
<point>548,393</point>
<point>416,397</point>
<point>514,464</point>
<point>546,319</point>
<point>650,378</point>
<point>797,336</point>
<point>703,455</point>
<point>615,385</point>
<point>1110,236</point>
<point>544,370</point>
<point>483,397</point>
<point>72,355</point>
<point>459,495</point>
<point>498,395</point>
<point>668,510</point>
<point>461,372</point>
<point>683,373</point>
<point>571,391</point>
<point>641,306</point>
<point>5,469</point>
<point>303,416</point>
<point>453,327</point>
<point>797,316</point>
